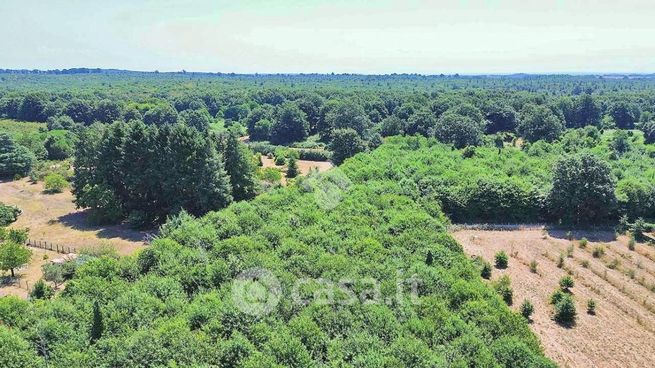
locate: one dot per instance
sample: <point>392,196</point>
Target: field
<point>622,282</point>
<point>16,128</point>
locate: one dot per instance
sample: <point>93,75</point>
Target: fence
<point>42,244</point>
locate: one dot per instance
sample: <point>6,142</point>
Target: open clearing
<point>54,218</point>
<point>622,282</point>
<point>303,165</point>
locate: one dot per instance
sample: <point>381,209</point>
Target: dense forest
<point>415,153</point>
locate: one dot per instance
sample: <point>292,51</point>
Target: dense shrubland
<point>173,301</point>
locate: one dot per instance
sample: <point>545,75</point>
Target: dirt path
<point>621,334</point>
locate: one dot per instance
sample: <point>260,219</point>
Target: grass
<point>17,128</point>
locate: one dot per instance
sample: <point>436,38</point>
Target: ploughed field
<point>621,281</point>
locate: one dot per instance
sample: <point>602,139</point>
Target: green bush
<point>533,266</point>
<point>486,270</point>
<point>501,259</point>
<point>526,309</point>
<point>598,251</point>
<point>591,306</point>
<point>503,287</point>
<point>565,310</point>
<point>55,183</point>
<point>583,243</point>
<point>41,290</point>
<point>8,214</point>
<point>566,282</point>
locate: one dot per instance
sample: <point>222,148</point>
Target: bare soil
<point>303,165</point>
<point>622,282</point>
<point>54,218</point>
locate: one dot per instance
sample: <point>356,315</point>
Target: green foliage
<point>583,243</point>
<point>503,287</point>
<point>501,259</point>
<point>55,183</point>
<point>533,266</point>
<point>13,255</point>
<point>345,144</point>
<point>120,171</point>
<point>527,309</point>
<point>485,273</point>
<point>292,168</point>
<point>14,158</point>
<point>565,312</point>
<point>8,214</point>
<point>458,130</point>
<point>582,191</point>
<point>591,306</point>
<point>598,251</point>
<point>566,282</point>
<point>539,123</point>
<point>41,290</point>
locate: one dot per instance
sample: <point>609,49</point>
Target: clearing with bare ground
<point>304,166</point>
<point>54,218</point>
<point>621,281</point>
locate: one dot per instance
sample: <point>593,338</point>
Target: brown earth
<point>303,165</point>
<point>54,218</point>
<point>622,282</point>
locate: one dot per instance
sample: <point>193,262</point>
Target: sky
<point>340,36</point>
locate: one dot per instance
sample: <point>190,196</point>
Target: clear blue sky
<point>448,36</point>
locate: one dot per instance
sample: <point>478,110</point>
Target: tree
<point>59,145</point>
<point>539,122</point>
<point>502,118</point>
<point>258,123</point>
<point>8,214</point>
<point>458,130</point>
<point>391,125</point>
<point>14,158</point>
<point>80,111</point>
<point>625,114</point>
<point>15,351</point>
<point>97,324</point>
<point>290,126</point>
<point>199,119</point>
<point>649,131</point>
<point>107,111</point>
<point>582,189</point>
<point>239,167</point>
<point>161,115</point>
<point>311,105</point>
<point>292,168</point>
<point>13,255</point>
<point>54,273</point>
<point>345,143</point>
<point>586,111</point>
<point>565,310</point>
<point>32,108</point>
<point>526,309</point>
<point>422,122</point>
<point>347,115</point>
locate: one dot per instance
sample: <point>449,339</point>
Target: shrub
<point>585,263</point>
<point>556,296</point>
<point>591,306</point>
<point>292,169</point>
<point>569,251</point>
<point>501,259</point>
<point>486,270</point>
<point>598,251</point>
<point>526,309</point>
<point>315,155</point>
<point>631,242</point>
<point>41,290</point>
<point>504,288</point>
<point>560,261</point>
<point>8,214</point>
<point>280,160</point>
<point>565,310</point>
<point>614,264</point>
<point>566,282</point>
<point>55,183</point>
<point>533,266</point>
<point>583,243</point>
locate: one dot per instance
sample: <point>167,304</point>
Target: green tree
<point>539,122</point>
<point>13,255</point>
<point>107,111</point>
<point>80,111</point>
<point>582,189</point>
<point>346,115</point>
<point>458,130</point>
<point>199,119</point>
<point>239,167</point>
<point>292,168</point>
<point>14,158</point>
<point>649,131</point>
<point>161,115</point>
<point>345,143</point>
<point>625,114</point>
<point>290,126</point>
